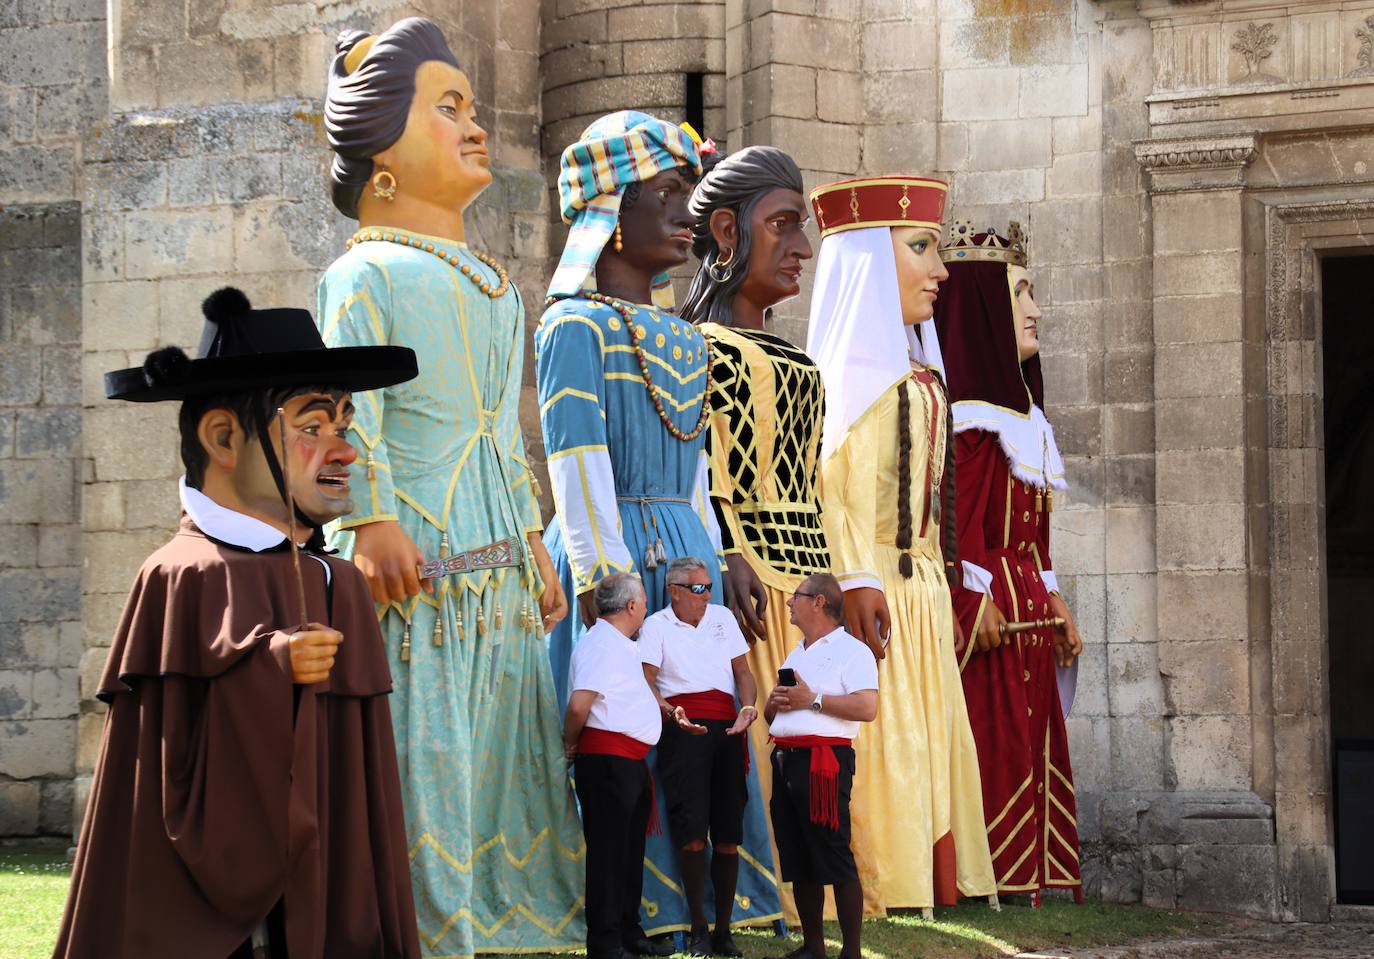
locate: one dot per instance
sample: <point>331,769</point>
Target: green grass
<point>33,890</point>
<point>34,877</point>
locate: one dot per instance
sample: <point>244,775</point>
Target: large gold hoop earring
<point>384,191</point>
<point>617,240</point>
<point>720,270</point>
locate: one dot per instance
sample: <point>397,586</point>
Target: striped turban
<point>615,151</point>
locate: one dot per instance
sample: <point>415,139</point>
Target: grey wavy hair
<point>615,592</point>
<point>683,565</point>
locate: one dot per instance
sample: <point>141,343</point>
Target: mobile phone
<point>786,677</point>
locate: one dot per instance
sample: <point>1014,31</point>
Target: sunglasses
<point>697,588</point>
<point>806,594</point>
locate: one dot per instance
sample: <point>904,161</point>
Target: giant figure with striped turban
<point>622,391</point>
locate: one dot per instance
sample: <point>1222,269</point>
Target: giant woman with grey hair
<point>444,480</point>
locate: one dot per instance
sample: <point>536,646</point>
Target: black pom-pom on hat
<point>166,367</point>
<point>226,305</point>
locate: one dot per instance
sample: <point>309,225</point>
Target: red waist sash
<point>825,774</point>
<point>603,742</point>
<point>712,704</point>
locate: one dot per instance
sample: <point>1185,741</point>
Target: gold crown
<point>993,247</point>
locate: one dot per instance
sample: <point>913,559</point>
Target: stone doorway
<point>1347,308</point>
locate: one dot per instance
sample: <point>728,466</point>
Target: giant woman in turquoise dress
<point>442,477</point>
<point>622,392</point>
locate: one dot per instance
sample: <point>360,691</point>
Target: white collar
<point>673,618</point>
<point>823,640</point>
<point>227,525</point>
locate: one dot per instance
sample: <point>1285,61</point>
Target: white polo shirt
<point>833,665</point>
<point>692,659</point>
<point>606,661</point>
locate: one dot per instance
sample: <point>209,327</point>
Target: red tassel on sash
<point>825,775</point>
<point>603,742</point>
<point>712,704</point>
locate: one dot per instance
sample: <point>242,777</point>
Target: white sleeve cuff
<point>976,578</point>
<point>862,579</point>
<point>584,492</point>
<point>1050,580</point>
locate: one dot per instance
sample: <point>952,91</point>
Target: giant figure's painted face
<point>919,271</point>
<point>442,155</point>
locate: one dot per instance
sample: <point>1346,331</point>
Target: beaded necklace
<point>405,239</point>
<point>624,310</point>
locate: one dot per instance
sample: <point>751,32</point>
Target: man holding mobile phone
<point>826,687</point>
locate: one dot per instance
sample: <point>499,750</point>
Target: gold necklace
<point>405,239</point>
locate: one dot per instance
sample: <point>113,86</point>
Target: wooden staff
<point>291,516</point>
<point>1054,622</point>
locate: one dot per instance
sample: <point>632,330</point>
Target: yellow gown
<point>767,407</point>
<point>917,806</point>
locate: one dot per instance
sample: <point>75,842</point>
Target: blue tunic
<point>622,482</point>
<point>496,852</point>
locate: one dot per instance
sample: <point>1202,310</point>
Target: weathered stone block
<point>61,376</point>
<point>1130,481</point>
<point>37,747</point>
<point>21,378</point>
<point>1078,536</point>
<point>1090,747</point>
<point>1075,175</point>
<point>29,173</point>
<point>1187,477</point>
<point>19,805</point>
<point>1043,40</point>
<point>982,93</point>
<point>670,55</point>
<point>62,55</point>
<point>1196,607</point>
<point>1137,752</point>
<point>132,442</point>
<point>1200,422</point>
<point>21,545</point>
<point>46,433</point>
<point>1205,678</point>
<point>1090,695</point>
<point>90,729</point>
<point>1009,144</point>
<point>170,242</point>
<point>1194,223</point>
<point>38,491</point>
<point>1003,186</point>
<point>54,694</point>
<point>900,45</point>
<point>158,505</point>
<point>112,559</point>
<point>55,808</point>
<point>778,89</point>
<point>49,312</point>
<point>1213,318</point>
<point>900,96</point>
<point>16,693</point>
<point>1201,537</point>
<point>1184,274</point>
<point>805,41</point>
<point>1133,680</point>
<point>1207,879</point>
<point>1131,600</point>
<point>59,545</point>
<point>898,146</point>
<point>1054,91</point>
<point>1209,752</point>
<point>976,42</point>
<point>1203,369</point>
<point>951,147</point>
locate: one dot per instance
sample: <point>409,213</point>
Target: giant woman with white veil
<point>887,508</point>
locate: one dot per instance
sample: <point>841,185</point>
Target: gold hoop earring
<point>617,240</point>
<point>384,191</point>
<point>722,270</point>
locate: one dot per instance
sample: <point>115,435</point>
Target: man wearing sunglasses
<point>695,659</point>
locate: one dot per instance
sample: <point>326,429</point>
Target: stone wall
<point>52,84</point>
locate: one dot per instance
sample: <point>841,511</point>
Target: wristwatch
<point>816,704</point>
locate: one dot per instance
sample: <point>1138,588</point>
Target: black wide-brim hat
<point>243,349</point>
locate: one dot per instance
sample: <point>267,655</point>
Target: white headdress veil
<point>856,334</point>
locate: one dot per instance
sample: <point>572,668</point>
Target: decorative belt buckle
<point>502,553</point>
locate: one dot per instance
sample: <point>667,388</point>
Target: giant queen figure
<point>490,818</point>
<point>1017,679</point>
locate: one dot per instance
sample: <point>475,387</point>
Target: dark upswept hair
<point>735,183</point>
<point>365,111</point>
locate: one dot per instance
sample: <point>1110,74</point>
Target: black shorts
<point>808,852</point>
<point>703,783</point>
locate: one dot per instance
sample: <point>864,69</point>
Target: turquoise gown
<point>622,483</point>
<point>496,848</point>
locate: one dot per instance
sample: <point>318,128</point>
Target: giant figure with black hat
<point>246,801</point>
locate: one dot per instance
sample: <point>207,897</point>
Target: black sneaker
<point>724,945</point>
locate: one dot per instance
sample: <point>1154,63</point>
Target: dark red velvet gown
<point>1012,692</point>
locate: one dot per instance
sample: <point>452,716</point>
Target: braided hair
<point>735,183</point>
<point>949,543</point>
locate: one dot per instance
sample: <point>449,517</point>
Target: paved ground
<point>1334,940</point>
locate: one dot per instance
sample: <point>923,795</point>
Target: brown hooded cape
<point>223,789</point>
